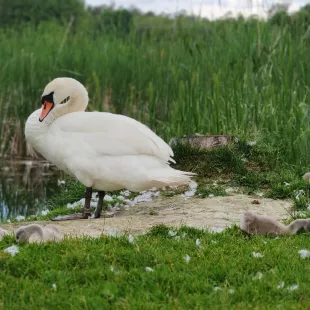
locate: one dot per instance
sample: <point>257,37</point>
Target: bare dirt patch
<point>173,211</point>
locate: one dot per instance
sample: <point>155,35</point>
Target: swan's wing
<point>112,134</point>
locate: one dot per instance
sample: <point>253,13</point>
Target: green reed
<point>223,77</point>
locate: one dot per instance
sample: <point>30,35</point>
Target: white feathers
<point>102,150</point>
<point>257,255</point>
<point>131,239</point>
<point>304,253</point>
<point>13,250</point>
<point>198,243</point>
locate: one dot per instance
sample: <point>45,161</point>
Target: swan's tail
<point>172,177</point>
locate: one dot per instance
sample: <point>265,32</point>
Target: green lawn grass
<point>110,273</point>
<point>238,77</point>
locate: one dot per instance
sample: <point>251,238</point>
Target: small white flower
<point>131,239</point>
<point>149,269</point>
<point>281,284</point>
<point>258,276</point>
<point>287,184</point>
<point>54,286</point>
<point>172,233</point>
<point>252,143</point>
<point>187,258</point>
<point>217,288</point>
<point>304,253</point>
<point>292,287</point>
<point>198,243</point>
<point>61,182</point>
<point>231,291</point>
<point>13,250</point>
<point>184,235</point>
<point>257,255</point>
<point>211,195</point>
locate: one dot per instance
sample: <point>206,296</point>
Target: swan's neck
<point>77,103</point>
<point>35,130</point>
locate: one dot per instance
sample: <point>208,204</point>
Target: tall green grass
<point>237,77</point>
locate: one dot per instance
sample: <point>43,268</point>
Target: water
<point>25,185</point>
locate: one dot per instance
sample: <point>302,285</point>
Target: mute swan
<point>103,151</point>
<point>35,233</point>
<point>261,225</point>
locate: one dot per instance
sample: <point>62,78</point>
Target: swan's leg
<point>86,210</point>
<point>78,216</point>
<point>100,204</point>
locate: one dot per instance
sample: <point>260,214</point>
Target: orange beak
<point>46,108</point>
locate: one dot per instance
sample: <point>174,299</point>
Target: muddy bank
<point>173,211</point>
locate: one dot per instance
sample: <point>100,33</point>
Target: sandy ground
<point>174,211</point>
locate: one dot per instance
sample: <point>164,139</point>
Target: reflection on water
<point>25,185</point>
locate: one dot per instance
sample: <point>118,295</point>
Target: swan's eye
<point>65,100</point>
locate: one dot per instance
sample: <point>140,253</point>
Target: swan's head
<point>62,96</point>
<point>23,233</point>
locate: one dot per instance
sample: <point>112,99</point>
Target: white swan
<point>103,151</point>
<point>35,233</point>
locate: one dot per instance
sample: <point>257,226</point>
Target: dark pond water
<point>25,185</point>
